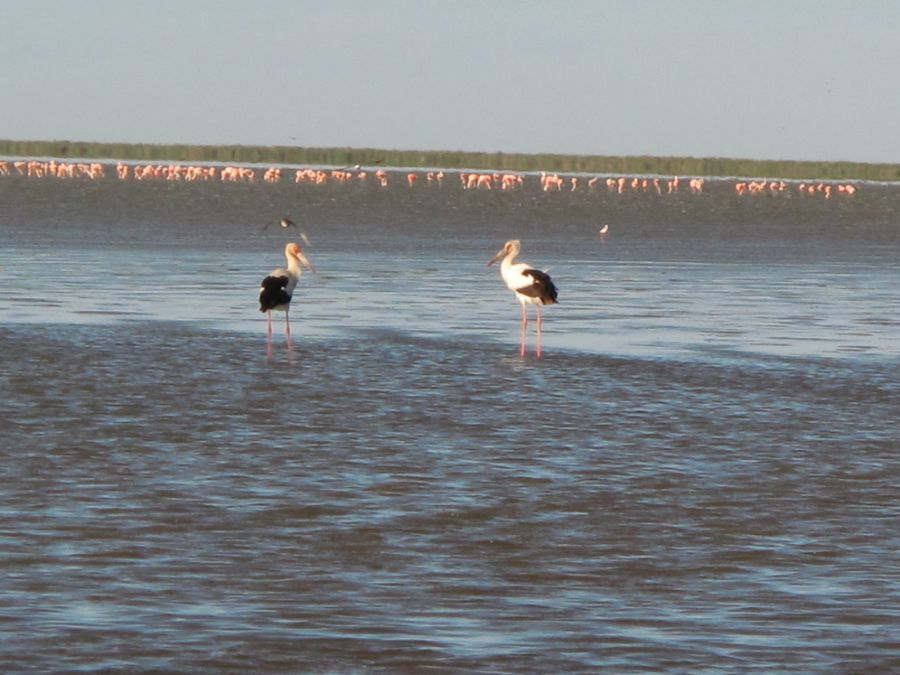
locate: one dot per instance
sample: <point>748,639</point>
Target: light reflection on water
<point>612,307</point>
<point>700,474</point>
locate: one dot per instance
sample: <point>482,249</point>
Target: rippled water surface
<point>699,475</point>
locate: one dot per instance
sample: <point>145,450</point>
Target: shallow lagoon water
<point>699,475</point>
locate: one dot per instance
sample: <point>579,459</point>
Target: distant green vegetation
<point>488,161</point>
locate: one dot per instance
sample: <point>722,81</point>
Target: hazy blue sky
<point>816,80</point>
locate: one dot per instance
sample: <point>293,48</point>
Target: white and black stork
<point>531,286</point>
<point>277,288</point>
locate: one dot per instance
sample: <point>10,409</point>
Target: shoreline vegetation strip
<point>489,161</point>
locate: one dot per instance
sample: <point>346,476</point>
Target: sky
<point>811,80</point>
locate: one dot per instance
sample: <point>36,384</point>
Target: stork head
<point>510,248</point>
<point>293,250</point>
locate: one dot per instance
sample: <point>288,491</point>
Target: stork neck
<point>293,265</point>
<point>507,261</point>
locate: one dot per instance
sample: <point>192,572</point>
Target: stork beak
<point>500,254</point>
<point>303,259</point>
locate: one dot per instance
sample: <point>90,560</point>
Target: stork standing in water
<point>277,288</point>
<point>531,286</point>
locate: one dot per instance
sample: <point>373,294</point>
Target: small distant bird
<point>285,222</point>
<point>601,233</point>
<point>531,286</point>
<point>277,288</point>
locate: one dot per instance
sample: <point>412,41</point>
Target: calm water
<point>700,475</point>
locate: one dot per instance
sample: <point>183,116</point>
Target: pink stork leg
<point>524,331</point>
<point>269,330</point>
<point>288,340</point>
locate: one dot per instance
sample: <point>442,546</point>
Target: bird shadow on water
<point>385,349</point>
<point>462,353</point>
<point>284,348</point>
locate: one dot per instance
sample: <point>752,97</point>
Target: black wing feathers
<point>542,287</point>
<point>272,293</point>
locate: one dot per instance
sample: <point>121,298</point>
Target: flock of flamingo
<point>530,286</point>
<point>465,180</point>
